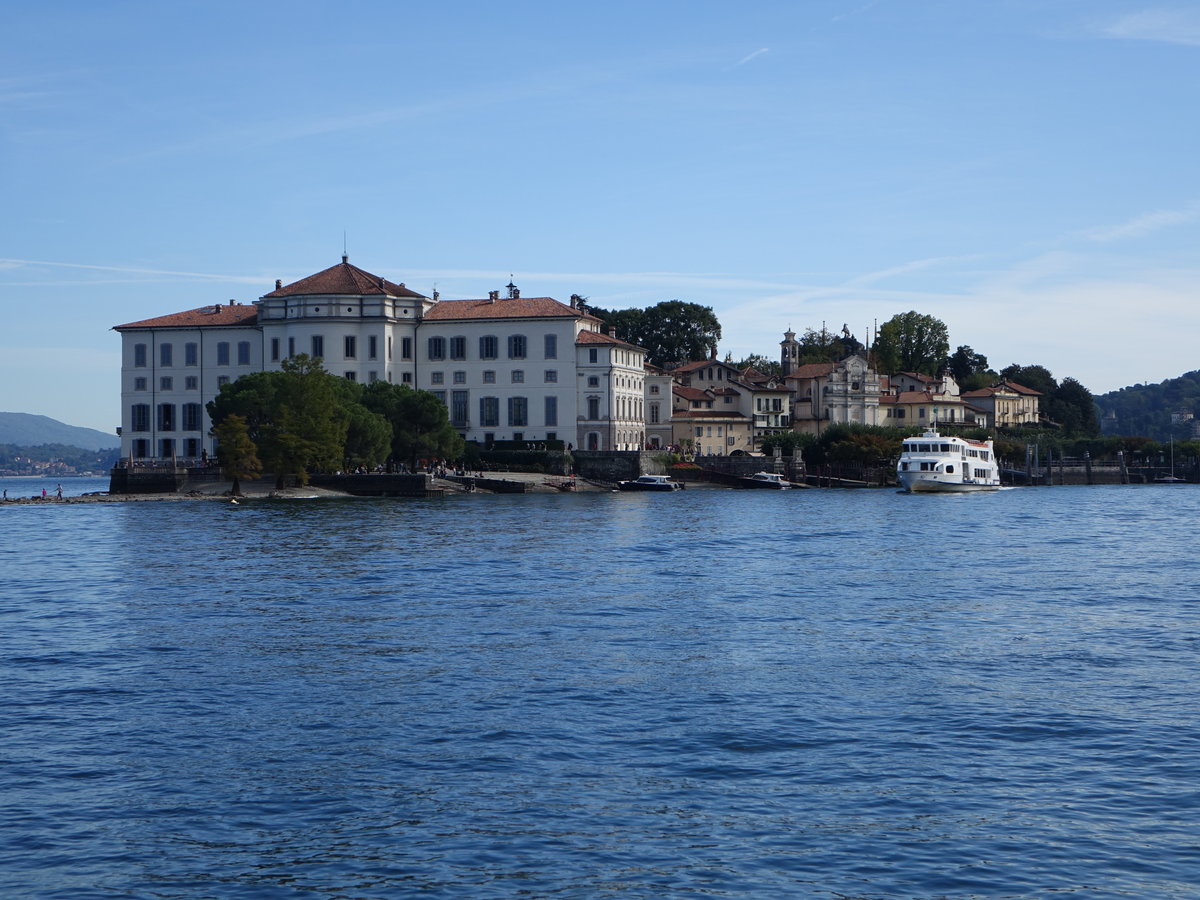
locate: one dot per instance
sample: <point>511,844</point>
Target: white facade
<point>512,368</point>
<point>169,374</point>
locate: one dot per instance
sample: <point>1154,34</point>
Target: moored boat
<point>933,463</point>
<point>765,480</point>
<point>650,483</point>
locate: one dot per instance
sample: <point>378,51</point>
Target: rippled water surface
<point>706,694</point>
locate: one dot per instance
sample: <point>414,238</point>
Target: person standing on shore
<point>59,490</point>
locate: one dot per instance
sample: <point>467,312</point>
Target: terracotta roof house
<point>764,403</point>
<point>923,408</point>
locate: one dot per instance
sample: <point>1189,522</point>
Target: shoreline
<point>220,491</point>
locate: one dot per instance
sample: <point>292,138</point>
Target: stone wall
<point>376,485</point>
<point>611,466</point>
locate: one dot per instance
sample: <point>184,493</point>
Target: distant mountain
<point>28,430</point>
<point>1160,411</point>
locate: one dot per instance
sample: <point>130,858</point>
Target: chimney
<point>278,283</point>
<point>493,296</point>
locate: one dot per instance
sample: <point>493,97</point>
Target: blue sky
<point>1025,171</point>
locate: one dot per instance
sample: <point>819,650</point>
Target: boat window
<point>949,470</point>
<point>945,448</point>
<point>903,467</point>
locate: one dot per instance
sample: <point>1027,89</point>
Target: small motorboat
<point>650,483</point>
<point>767,480</point>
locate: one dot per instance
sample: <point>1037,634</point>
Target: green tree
<point>672,332</point>
<point>1036,377</point>
<point>296,417</point>
<point>790,443</point>
<point>825,346</point>
<point>368,434</point>
<point>309,429</point>
<point>911,342</point>
<point>419,422</point>
<point>970,369</point>
<point>368,437</point>
<point>239,456</point>
<point>1073,407</point>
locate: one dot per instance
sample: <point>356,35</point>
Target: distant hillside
<point>1146,409</point>
<point>28,430</point>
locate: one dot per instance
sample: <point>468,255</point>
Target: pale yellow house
<point>1006,405</point>
<point>703,420</point>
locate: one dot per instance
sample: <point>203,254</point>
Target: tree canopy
<point>419,424</point>
<point>912,342</point>
<point>672,332</point>
<point>303,419</point>
<point>825,346</point>
<point>970,369</point>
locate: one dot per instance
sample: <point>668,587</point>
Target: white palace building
<point>507,367</point>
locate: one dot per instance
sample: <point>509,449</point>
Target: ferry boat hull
<point>914,483</point>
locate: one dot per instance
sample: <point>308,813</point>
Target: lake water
<point>704,694</point>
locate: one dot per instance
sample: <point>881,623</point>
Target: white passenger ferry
<point>932,462</point>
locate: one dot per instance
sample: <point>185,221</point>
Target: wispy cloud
<point>1173,26</point>
<point>754,55</point>
<point>13,264</point>
<point>856,11</point>
<point>870,278</point>
<point>1144,224</point>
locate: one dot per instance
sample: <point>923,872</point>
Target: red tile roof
<point>503,308</point>
<point>1011,386</point>
<point>597,337</point>
<point>701,364</point>
<point>689,393</point>
<point>343,279</point>
<point>211,316</point>
<point>811,370</point>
